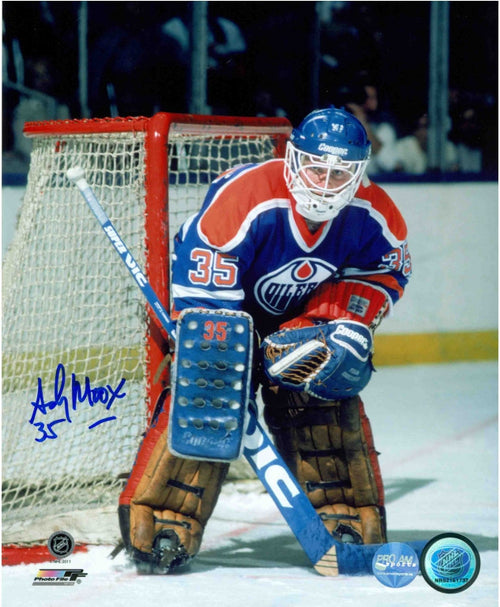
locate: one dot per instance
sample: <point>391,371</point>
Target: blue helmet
<point>325,162</point>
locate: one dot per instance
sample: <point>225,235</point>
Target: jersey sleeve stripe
<point>179,292</point>
<point>386,281</point>
<point>382,278</point>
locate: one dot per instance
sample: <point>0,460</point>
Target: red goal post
<point>74,324</point>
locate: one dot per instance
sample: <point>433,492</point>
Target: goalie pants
<point>167,492</point>
<point>329,448</point>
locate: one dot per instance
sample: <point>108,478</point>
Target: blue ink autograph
<point>79,394</point>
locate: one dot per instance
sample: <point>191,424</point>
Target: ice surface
<point>436,428</point>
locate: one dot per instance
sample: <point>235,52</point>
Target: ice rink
<point>436,427</point>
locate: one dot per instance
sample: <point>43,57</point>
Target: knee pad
<point>329,448</point>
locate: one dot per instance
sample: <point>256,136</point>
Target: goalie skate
<point>211,384</point>
<point>168,555</point>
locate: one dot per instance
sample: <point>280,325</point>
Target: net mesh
<point>75,324</point>
<point>72,322</point>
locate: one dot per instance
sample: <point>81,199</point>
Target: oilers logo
<point>286,287</point>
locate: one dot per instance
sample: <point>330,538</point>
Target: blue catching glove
<point>329,361</point>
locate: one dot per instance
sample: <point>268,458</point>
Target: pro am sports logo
<point>288,286</point>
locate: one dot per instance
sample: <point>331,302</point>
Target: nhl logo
<point>61,544</point>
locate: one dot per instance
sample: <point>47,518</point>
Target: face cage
<point>313,201</point>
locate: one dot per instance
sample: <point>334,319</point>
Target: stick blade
<point>328,563</point>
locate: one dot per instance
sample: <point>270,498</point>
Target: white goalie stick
<point>328,556</point>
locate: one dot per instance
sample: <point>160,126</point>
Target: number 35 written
<point>399,259</point>
<point>213,267</point>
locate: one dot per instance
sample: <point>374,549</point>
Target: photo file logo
<point>58,577</point>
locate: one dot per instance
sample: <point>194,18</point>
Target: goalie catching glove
<point>329,361</point>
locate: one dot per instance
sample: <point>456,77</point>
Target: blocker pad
<point>211,377</point>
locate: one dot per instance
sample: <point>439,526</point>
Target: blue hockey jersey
<point>249,249</point>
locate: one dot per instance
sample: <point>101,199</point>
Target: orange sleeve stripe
<point>384,280</point>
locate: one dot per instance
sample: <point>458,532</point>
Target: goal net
<point>83,359</point>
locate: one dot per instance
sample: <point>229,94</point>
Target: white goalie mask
<point>325,162</point>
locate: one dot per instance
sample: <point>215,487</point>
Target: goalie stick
<point>328,556</point>
<point>77,176</point>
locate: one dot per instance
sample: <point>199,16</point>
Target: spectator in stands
<point>227,80</point>
<point>265,105</point>
<point>363,102</point>
<point>134,69</point>
<point>466,131</point>
<point>410,152</point>
<point>40,77</point>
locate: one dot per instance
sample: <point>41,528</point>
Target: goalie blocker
<point>211,376</point>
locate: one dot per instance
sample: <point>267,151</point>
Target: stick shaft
<point>126,256</point>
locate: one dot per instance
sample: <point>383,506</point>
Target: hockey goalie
<point>279,282</point>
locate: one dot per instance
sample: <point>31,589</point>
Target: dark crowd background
<point>265,58</point>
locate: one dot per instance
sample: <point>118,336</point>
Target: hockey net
<point>83,359</point>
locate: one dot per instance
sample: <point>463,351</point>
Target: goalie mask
<point>325,161</point>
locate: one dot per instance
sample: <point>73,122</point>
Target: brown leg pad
<point>168,492</point>
<point>329,448</point>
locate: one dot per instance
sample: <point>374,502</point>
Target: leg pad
<point>166,493</point>
<point>329,447</point>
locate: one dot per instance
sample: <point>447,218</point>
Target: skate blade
<point>169,552</point>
